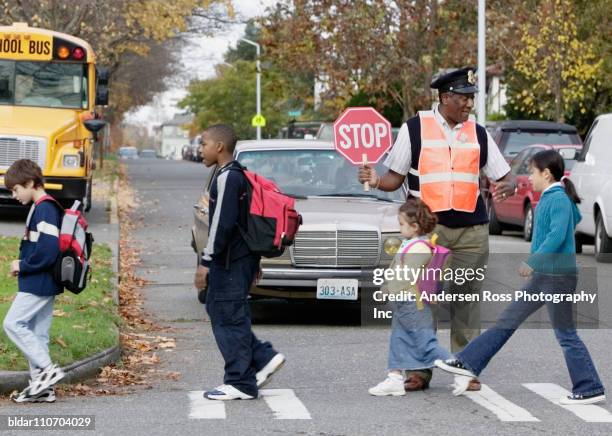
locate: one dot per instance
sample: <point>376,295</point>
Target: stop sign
<point>362,134</point>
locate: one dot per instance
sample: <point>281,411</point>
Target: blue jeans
<point>230,317</point>
<point>413,344</point>
<point>583,374</point>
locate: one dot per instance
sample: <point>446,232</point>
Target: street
<point>331,359</point>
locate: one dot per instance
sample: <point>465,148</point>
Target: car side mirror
<point>102,84</point>
<point>94,126</point>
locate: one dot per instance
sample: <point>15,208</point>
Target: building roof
<point>179,120</point>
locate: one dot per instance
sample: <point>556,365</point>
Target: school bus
<point>49,87</point>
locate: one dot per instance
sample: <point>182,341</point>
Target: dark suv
<point>515,135</point>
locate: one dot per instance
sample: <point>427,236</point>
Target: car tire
<point>603,243</point>
<point>578,242</point>
<point>495,227</point>
<point>528,223</point>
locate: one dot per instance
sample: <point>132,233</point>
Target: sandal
<point>417,381</point>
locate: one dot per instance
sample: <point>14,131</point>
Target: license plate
<point>337,289</point>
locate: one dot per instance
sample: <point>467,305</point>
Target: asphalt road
<point>332,359</point>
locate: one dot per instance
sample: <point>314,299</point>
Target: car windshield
<point>517,140</point>
<point>44,84</point>
<point>304,173</point>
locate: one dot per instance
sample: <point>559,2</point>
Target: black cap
<point>460,81</point>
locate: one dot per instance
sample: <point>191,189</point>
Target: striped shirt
<point>399,158</point>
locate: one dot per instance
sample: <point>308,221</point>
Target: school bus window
<point>45,84</point>
<point>6,83</point>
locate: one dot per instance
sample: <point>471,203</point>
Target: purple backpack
<point>428,284</point>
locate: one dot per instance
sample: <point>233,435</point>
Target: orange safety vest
<point>448,173</point>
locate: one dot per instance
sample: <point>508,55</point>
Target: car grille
<point>20,147</point>
<point>340,248</point>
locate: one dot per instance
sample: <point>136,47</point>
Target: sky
<point>198,60</point>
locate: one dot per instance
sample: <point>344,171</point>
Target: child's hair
<point>21,172</point>
<point>223,133</point>
<point>552,160</point>
<point>416,211</point>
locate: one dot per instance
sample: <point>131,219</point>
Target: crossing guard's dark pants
<point>230,316</point>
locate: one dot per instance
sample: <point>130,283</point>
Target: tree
<point>556,74</point>
<point>120,29</point>
<point>230,98</point>
<point>389,50</point>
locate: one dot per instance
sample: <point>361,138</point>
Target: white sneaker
<point>46,396</point>
<point>582,399</point>
<point>264,374</point>
<point>45,379</point>
<point>226,392</point>
<point>392,385</point>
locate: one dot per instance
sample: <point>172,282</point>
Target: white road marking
<point>284,404</point>
<point>203,408</point>
<point>586,412</point>
<point>504,409</point>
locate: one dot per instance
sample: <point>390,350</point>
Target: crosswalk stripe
<point>203,408</point>
<point>504,409</point>
<point>284,404</point>
<point>586,412</point>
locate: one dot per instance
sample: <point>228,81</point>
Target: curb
<point>79,370</point>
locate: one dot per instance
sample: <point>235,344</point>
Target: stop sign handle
<point>366,184</point>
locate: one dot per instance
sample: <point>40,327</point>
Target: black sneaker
<point>582,399</point>
<point>454,366</point>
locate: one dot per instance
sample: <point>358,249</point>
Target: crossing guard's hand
<point>367,174</point>
<point>201,277</point>
<point>503,190</point>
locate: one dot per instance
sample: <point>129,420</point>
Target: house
<point>175,135</point>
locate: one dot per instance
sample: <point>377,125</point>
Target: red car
<point>517,210</point>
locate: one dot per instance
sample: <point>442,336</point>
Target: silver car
<point>344,228</point>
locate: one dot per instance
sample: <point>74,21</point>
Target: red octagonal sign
<point>362,135</point>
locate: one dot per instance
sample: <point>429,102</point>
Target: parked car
<point>195,148</point>
<point>128,153</point>
<point>514,135</point>
<point>517,210</point>
<point>148,153</point>
<point>300,130</point>
<point>591,175</point>
<point>187,152</point>
<point>344,228</point>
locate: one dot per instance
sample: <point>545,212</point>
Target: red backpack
<point>72,267</point>
<point>272,221</point>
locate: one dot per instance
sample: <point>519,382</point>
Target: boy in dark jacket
<point>230,269</point>
<point>29,318</point>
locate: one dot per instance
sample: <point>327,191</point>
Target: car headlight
<point>390,244</point>
<point>71,160</point>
